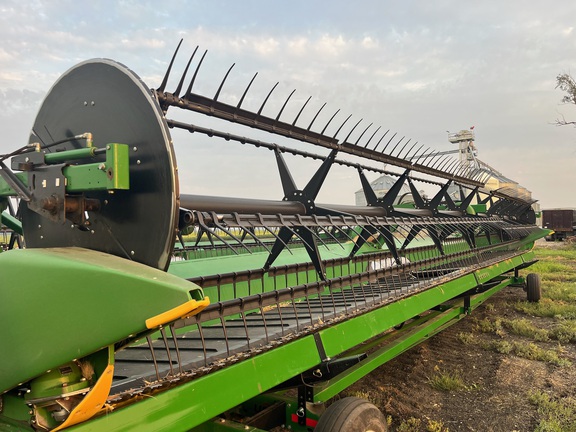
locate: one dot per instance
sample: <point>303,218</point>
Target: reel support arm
<point>54,188</point>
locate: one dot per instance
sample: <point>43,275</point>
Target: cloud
<point>419,68</point>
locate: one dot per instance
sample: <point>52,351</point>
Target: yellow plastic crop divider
<point>190,308</point>
<point>92,402</point>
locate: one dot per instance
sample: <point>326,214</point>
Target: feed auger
<point>126,305</point>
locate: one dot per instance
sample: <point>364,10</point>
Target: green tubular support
<point>69,155</point>
<point>11,222</point>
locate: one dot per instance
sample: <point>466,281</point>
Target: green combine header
<point>229,313</point>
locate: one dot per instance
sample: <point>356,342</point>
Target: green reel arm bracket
<point>54,188</point>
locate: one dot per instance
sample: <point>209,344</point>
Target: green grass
<point>468,338</point>
<point>560,291</point>
<point>555,415</point>
<point>446,381</point>
<point>545,267</point>
<point>529,351</point>
<point>523,327</point>
<point>520,327</point>
<point>548,308</point>
<point>564,332</point>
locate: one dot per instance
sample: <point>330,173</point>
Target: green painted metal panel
<point>193,403</point>
<point>6,190</point>
<point>338,339</point>
<point>196,402</point>
<point>96,299</point>
<point>428,327</point>
<point>109,175</point>
<point>346,379</point>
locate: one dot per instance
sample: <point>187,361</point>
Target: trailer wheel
<point>533,289</point>
<point>352,414</point>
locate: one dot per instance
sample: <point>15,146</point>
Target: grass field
<point>545,329</point>
<point>510,366</point>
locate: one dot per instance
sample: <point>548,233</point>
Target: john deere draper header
<point>131,306</point>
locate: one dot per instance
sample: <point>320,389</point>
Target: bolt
<point>102,167</point>
<point>91,231</point>
<point>132,253</point>
<point>93,103</point>
<point>138,162</point>
<point>108,147</point>
<point>27,159</point>
<point>105,202</point>
<point>30,412</point>
<point>85,103</point>
<point>135,148</point>
<point>39,226</point>
<point>41,237</point>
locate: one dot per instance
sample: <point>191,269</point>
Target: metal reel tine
<point>226,231</point>
<point>248,231</point>
<point>246,91</point>
<point>181,83</point>
<point>314,119</point>
<point>402,149</point>
<point>374,134</point>
<point>352,130</point>
<point>380,140</point>
<point>329,121</point>
<point>339,229</point>
<point>341,126</point>
<point>397,144</point>
<point>429,155</point>
<point>271,231</point>
<point>189,90</point>
<point>408,152</point>
<point>255,237</point>
<point>295,233</point>
<point>301,109</point>
<point>388,143</point>
<point>315,234</point>
<point>222,83</point>
<point>362,134</point>
<point>284,106</point>
<point>327,231</point>
<point>267,97</point>
<point>421,155</point>
<point>165,80</point>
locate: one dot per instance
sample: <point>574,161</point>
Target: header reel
<point>100,172</point>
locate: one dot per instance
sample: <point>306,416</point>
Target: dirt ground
<point>497,385</point>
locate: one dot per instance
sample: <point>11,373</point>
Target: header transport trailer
<point>131,306</point>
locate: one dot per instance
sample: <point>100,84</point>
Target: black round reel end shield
<point>110,101</point>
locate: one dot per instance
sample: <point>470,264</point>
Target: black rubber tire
<point>533,288</point>
<point>352,414</point>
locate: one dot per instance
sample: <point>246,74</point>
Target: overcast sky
<point>419,68</point>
